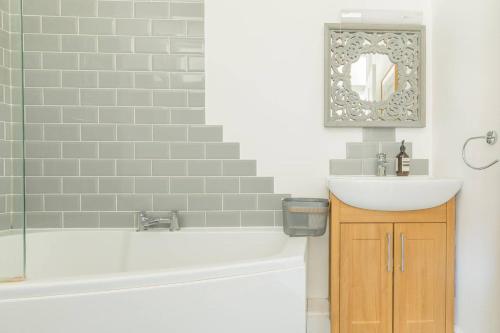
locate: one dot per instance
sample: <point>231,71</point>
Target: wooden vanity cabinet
<point>392,272</point>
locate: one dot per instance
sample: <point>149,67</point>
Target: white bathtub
<point>192,281</point>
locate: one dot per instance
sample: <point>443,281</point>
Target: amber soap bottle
<point>402,161</point>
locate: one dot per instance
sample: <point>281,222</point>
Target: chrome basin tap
<point>381,165</point>
<point>145,222</point>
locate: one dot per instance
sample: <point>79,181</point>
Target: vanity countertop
<point>394,193</point>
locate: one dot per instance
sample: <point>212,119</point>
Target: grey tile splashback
<point>371,149</point>
<point>372,134</point>
<point>419,166</point>
<point>346,167</point>
<point>115,120</point>
<point>361,156</point>
<point>362,149</point>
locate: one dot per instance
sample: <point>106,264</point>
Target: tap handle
<point>174,224</point>
<point>382,157</point>
<point>140,219</point>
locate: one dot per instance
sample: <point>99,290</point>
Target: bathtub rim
<point>293,256</point>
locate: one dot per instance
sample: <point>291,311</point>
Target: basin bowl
<point>394,193</point>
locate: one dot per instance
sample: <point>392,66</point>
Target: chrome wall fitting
<point>491,138</point>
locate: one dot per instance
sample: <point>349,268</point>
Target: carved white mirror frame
<point>405,47</point>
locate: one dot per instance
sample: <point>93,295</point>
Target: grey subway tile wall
<point>115,120</point>
<point>257,218</point>
<point>223,219</point>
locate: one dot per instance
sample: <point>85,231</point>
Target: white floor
<point>318,320</point>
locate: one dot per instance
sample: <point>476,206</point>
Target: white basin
<point>393,193</point>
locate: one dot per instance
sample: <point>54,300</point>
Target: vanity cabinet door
<point>366,278</point>
<point>420,278</point>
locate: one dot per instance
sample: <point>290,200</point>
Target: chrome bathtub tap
<point>145,222</point>
<point>381,165</point>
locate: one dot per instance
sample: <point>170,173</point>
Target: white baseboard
<point>318,324</point>
<point>318,318</point>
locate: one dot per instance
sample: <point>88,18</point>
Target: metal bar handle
<point>403,238</point>
<point>389,252</point>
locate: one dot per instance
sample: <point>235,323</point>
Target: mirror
<point>374,76</point>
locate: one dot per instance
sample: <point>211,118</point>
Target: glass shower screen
<point>12,225</point>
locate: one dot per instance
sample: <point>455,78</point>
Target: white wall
<point>264,67</point>
<point>466,56</point>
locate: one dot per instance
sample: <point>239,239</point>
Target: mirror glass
<point>374,77</point>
